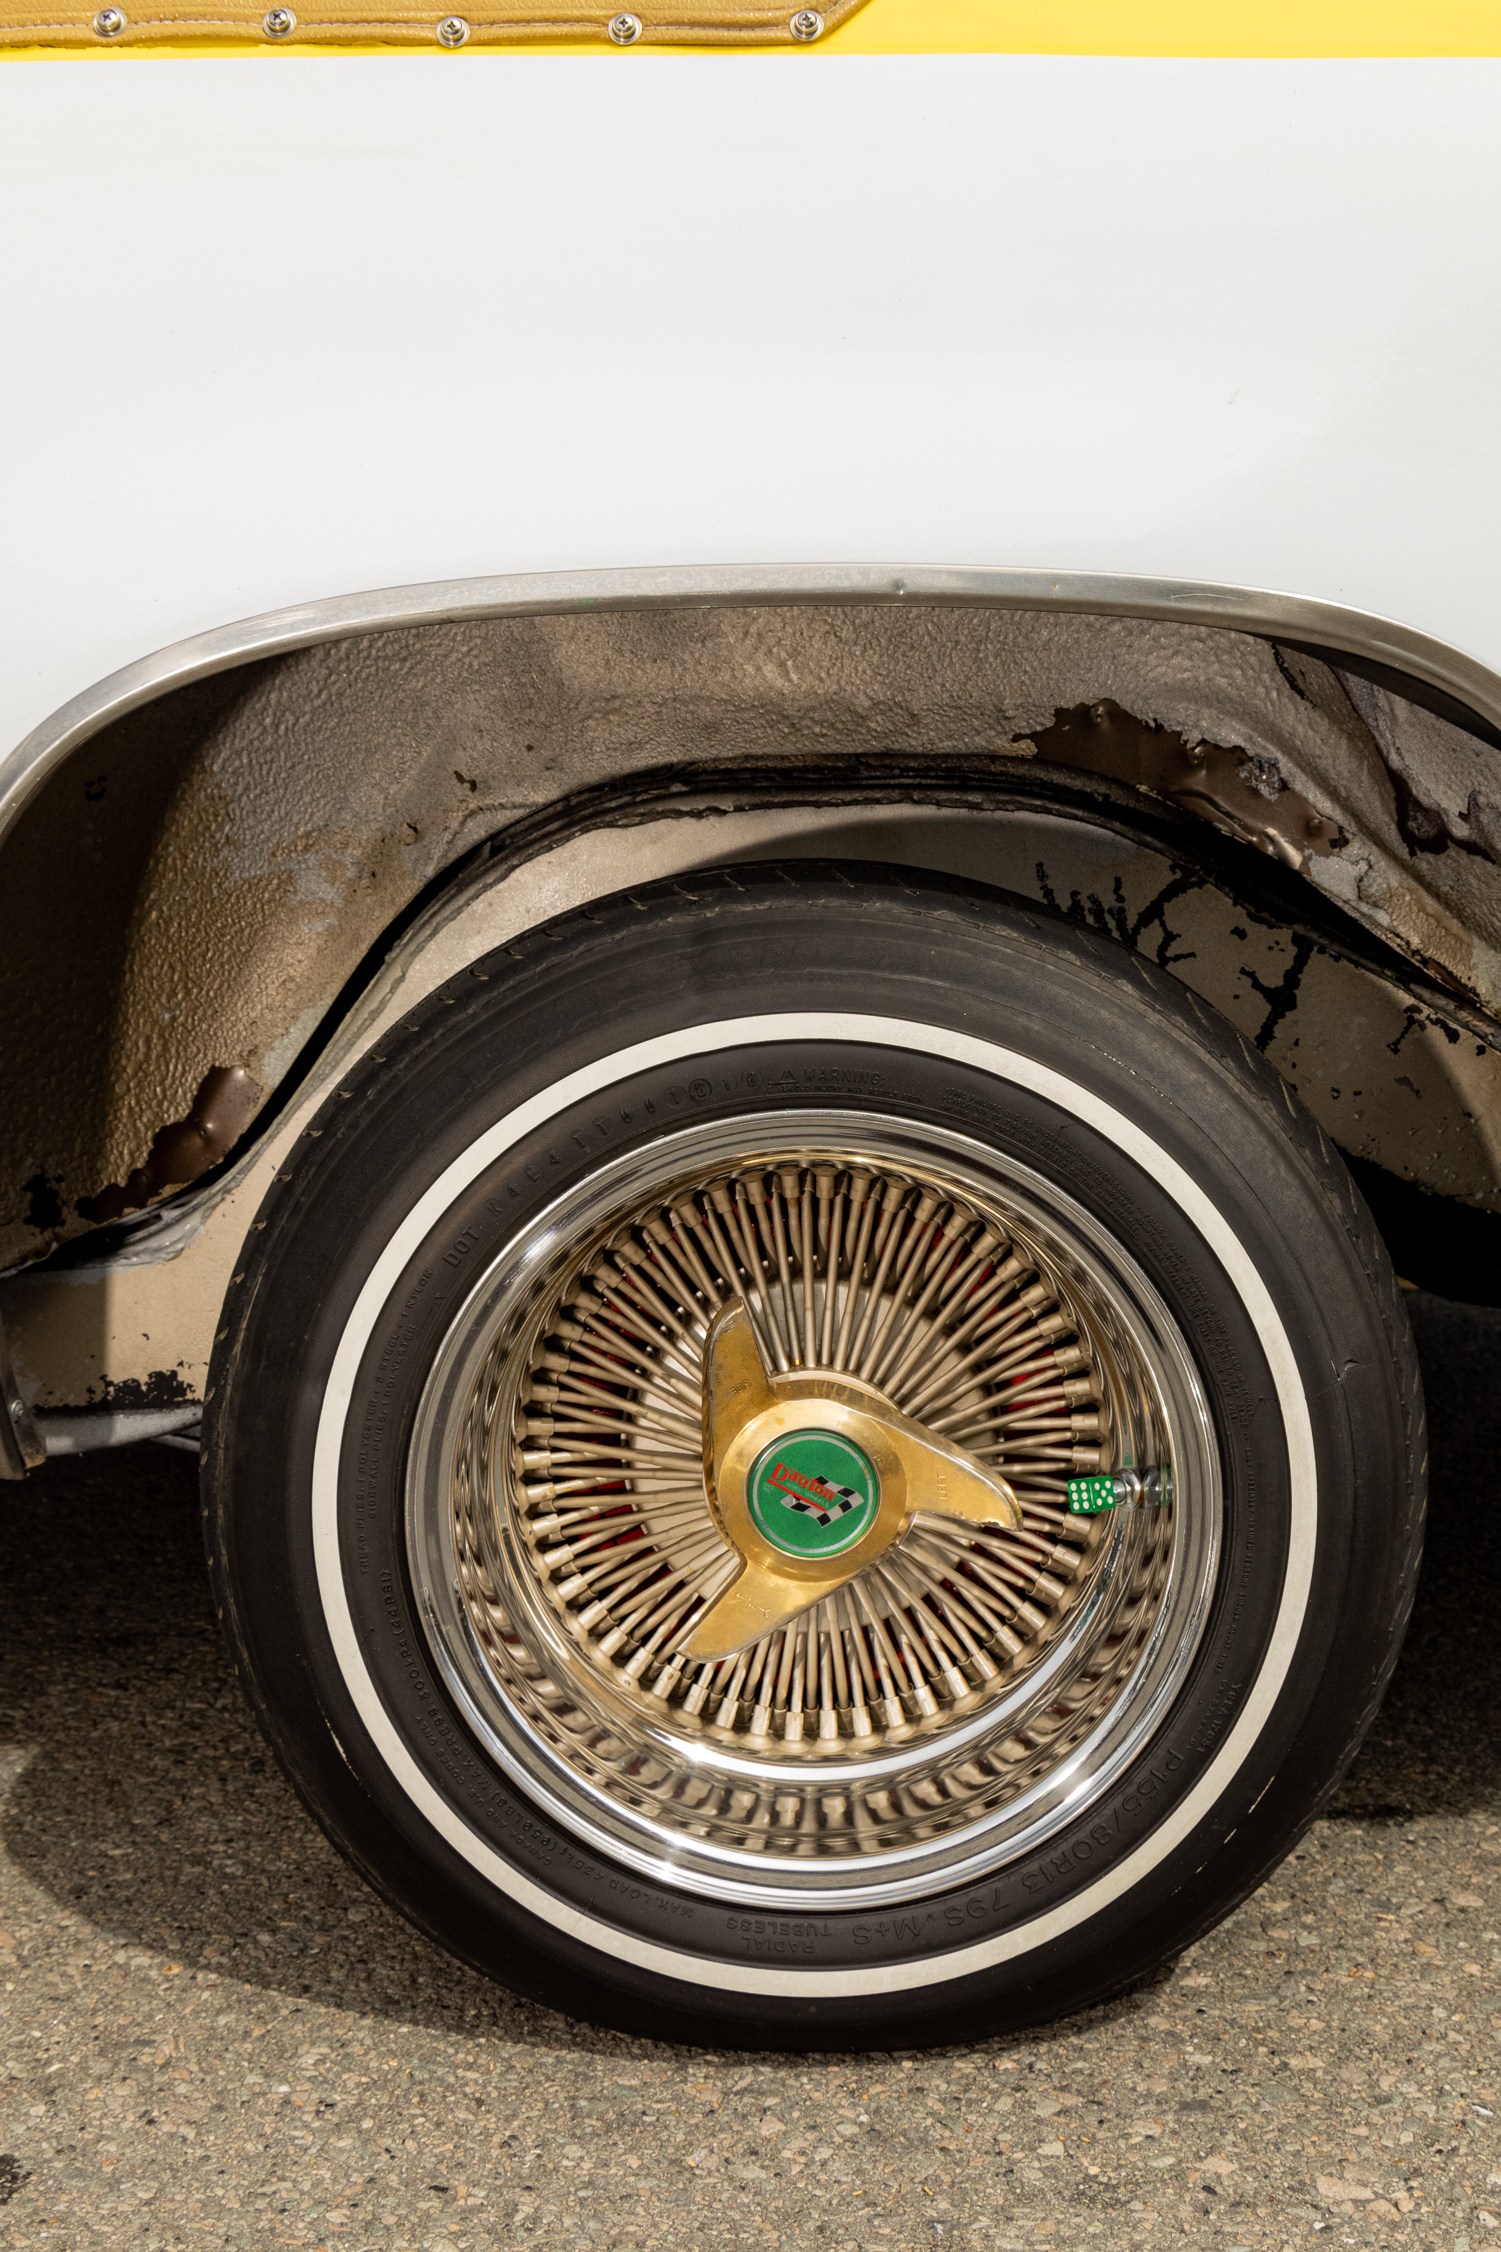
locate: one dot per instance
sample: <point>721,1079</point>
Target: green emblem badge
<point>813,1494</point>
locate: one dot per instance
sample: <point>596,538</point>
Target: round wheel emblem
<point>813,1494</point>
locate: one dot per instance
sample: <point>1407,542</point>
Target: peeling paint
<point>1282,998</point>
<point>161,1388</point>
<point>1113,918</point>
<point>44,1204</point>
<point>1389,1077</point>
<point>182,1152</point>
<point>1241,792</point>
<point>213,876</point>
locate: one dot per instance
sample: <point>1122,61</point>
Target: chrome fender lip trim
<point>1326,625</point>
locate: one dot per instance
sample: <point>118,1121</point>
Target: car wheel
<point>810,1458</point>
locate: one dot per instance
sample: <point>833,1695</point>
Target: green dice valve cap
<point>1089,1497</point>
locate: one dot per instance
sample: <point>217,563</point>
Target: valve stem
<point>1121,1489</point>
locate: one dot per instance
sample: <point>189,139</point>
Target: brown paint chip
<point>1233,789</point>
<point>185,1150</point>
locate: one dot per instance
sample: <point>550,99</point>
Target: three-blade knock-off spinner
<point>811,1477</point>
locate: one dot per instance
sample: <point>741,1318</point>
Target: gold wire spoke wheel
<point>810,1231</point>
<point>936,1679</point>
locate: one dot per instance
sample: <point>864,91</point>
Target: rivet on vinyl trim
<point>453,31</point>
<point>806,24</point>
<point>625,30</point>
<point>278,23</point>
<point>109,23</point>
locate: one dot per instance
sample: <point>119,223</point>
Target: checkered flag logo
<point>818,1498</point>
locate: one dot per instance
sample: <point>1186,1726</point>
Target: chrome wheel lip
<point>764,1880</point>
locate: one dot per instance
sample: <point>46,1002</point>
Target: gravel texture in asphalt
<point>212,2034</point>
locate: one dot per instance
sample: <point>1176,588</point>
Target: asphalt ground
<point>212,2034</point>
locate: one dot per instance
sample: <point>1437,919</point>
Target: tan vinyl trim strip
<point>1246,29</point>
<point>419,23</point>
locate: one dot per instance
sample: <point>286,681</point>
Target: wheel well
<point>193,902</point>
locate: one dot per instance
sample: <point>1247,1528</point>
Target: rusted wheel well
<point>193,902</point>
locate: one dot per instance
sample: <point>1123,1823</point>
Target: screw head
<point>278,23</point>
<point>453,31</point>
<point>109,23</point>
<point>625,30</point>
<point>806,24</point>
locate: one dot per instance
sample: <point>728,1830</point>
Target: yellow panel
<point>1171,27</point>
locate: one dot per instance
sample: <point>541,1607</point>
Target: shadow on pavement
<point>1435,1748</point>
<point>149,1805</point>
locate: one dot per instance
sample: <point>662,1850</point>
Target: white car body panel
<point>280,329</point>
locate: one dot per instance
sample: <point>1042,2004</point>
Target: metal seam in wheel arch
<point>1327,626</point>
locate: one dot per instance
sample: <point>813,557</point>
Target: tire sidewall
<point>353,1699</point>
